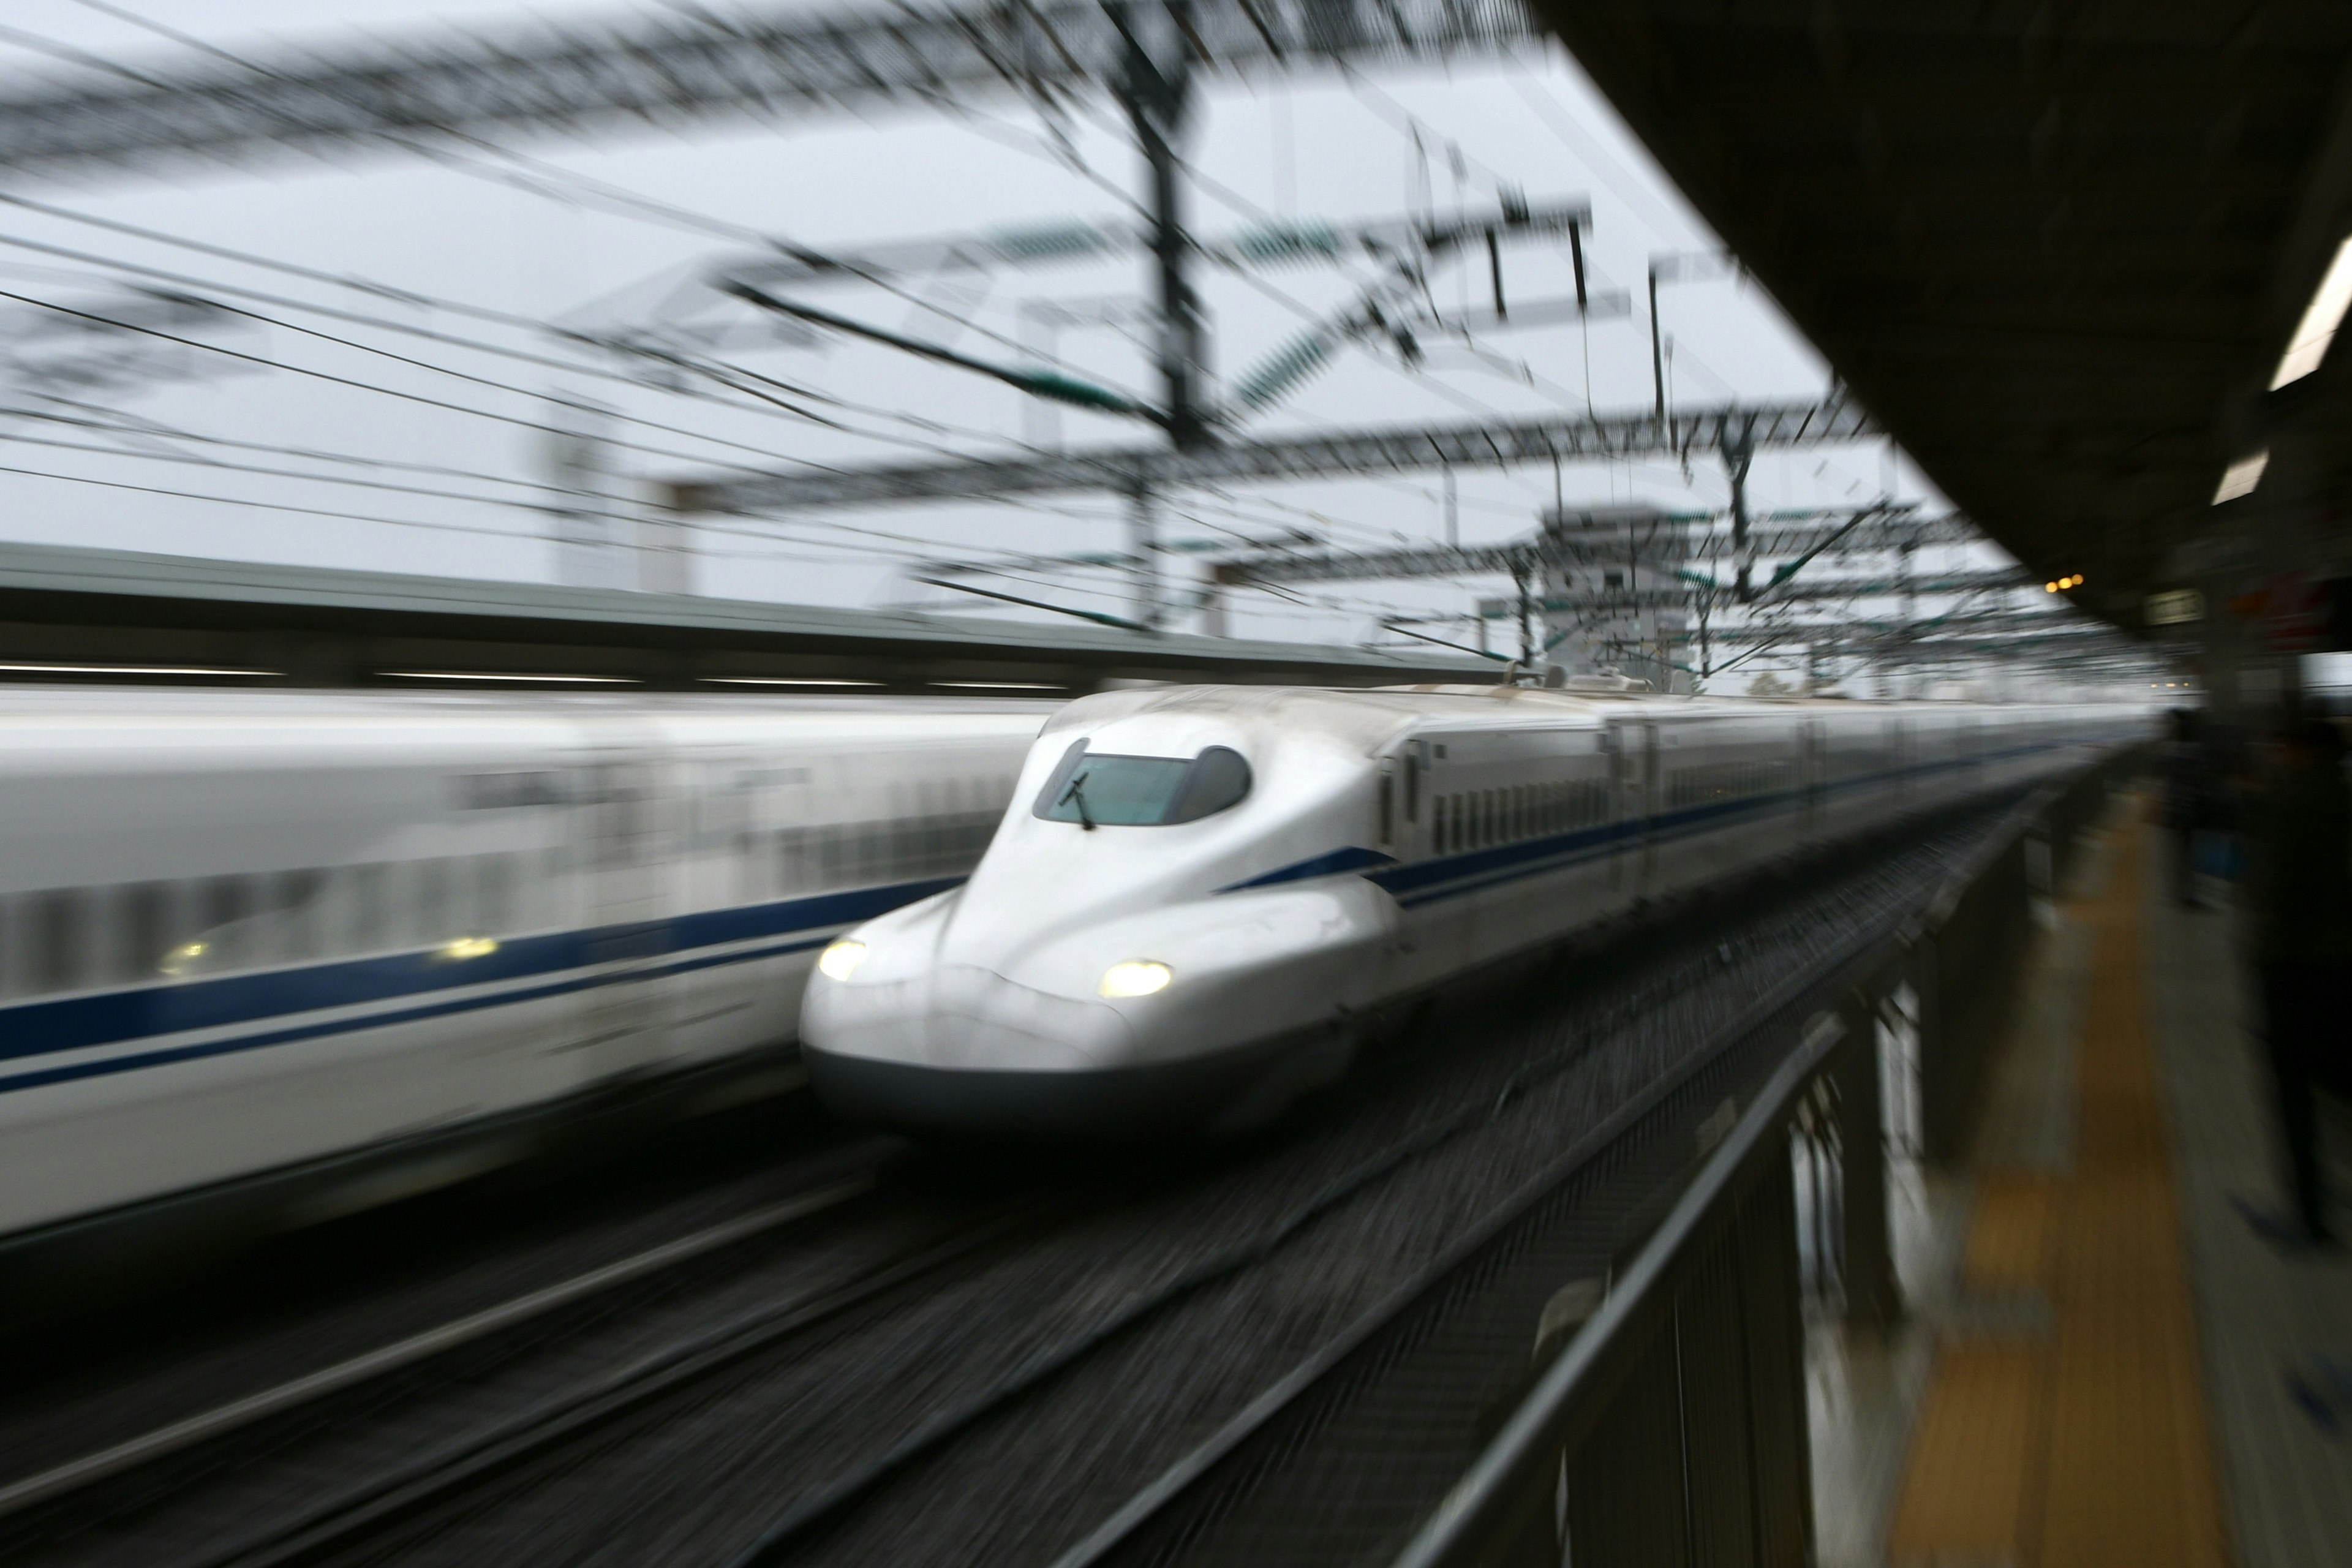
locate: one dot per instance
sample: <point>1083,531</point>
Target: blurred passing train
<point>310,950</point>
<point>1202,895</point>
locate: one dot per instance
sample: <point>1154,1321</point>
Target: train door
<point>626,840</point>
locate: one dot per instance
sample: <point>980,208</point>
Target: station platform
<point>2102,1361</point>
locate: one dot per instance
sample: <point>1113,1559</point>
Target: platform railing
<point>1672,1428</point>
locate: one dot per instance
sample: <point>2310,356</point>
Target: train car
<point>1202,895</point>
<point>298,952</point>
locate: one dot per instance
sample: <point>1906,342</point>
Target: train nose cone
<point>962,1017</point>
<point>979,1019</point>
<point>960,1046</point>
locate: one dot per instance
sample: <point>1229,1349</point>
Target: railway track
<point>977,1388</point>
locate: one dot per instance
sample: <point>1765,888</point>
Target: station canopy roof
<point>2056,248</point>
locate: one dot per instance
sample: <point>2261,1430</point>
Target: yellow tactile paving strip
<point>2089,1449</point>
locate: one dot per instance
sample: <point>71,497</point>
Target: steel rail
<point>461,1466</point>
<point>178,1437</point>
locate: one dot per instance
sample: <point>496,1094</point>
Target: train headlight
<point>840,960</point>
<point>1136,977</point>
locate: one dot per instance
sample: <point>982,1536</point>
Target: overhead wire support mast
<point>1156,86</point>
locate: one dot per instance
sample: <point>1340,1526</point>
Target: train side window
<point>298,914</point>
<point>495,895</point>
<point>429,911</point>
<point>370,914</point>
<point>143,928</point>
<point>60,939</point>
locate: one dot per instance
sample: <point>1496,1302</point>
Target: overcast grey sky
<point>608,213</point>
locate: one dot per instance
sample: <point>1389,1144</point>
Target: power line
<point>194,459</point>
<point>717,370</point>
<point>418,397</point>
<point>116,422</point>
<point>636,203</point>
<point>255,505</point>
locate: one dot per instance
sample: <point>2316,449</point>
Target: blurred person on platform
<point>2191,800</point>
<point>2300,903</point>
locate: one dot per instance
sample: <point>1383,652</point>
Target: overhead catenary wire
<point>643,205</point>
<point>517,536</point>
<point>541,179</point>
<point>718,370</point>
<point>638,205</point>
<point>541,426</point>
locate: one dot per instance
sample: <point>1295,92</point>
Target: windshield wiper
<point>1076,795</point>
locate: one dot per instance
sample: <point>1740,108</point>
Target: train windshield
<point>1102,789</point>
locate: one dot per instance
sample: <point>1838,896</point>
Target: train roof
<point>1373,717</point>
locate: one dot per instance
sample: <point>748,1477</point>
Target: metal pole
<point>1520,572</point>
<point>1143,549</point>
<point>1874,1298</point>
<point>1157,86</point>
<point>1739,452</point>
<point>1452,514</point>
<point>1657,347</point>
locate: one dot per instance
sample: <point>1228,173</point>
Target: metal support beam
<point>1489,445</point>
<point>1873,1298</point>
<point>666,70</point>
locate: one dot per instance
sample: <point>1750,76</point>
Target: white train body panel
<point>1386,842</point>
<point>244,931</point>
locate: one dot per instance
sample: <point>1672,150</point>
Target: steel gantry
<point>663,71</point>
<point>1486,445</point>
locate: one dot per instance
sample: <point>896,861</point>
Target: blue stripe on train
<point>287,1036</point>
<point>76,1023</point>
<point>1449,876</point>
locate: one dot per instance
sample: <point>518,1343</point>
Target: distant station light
<point>2308,347</point>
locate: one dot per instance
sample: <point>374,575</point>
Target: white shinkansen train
<point>301,950</point>
<point>1202,895</point>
